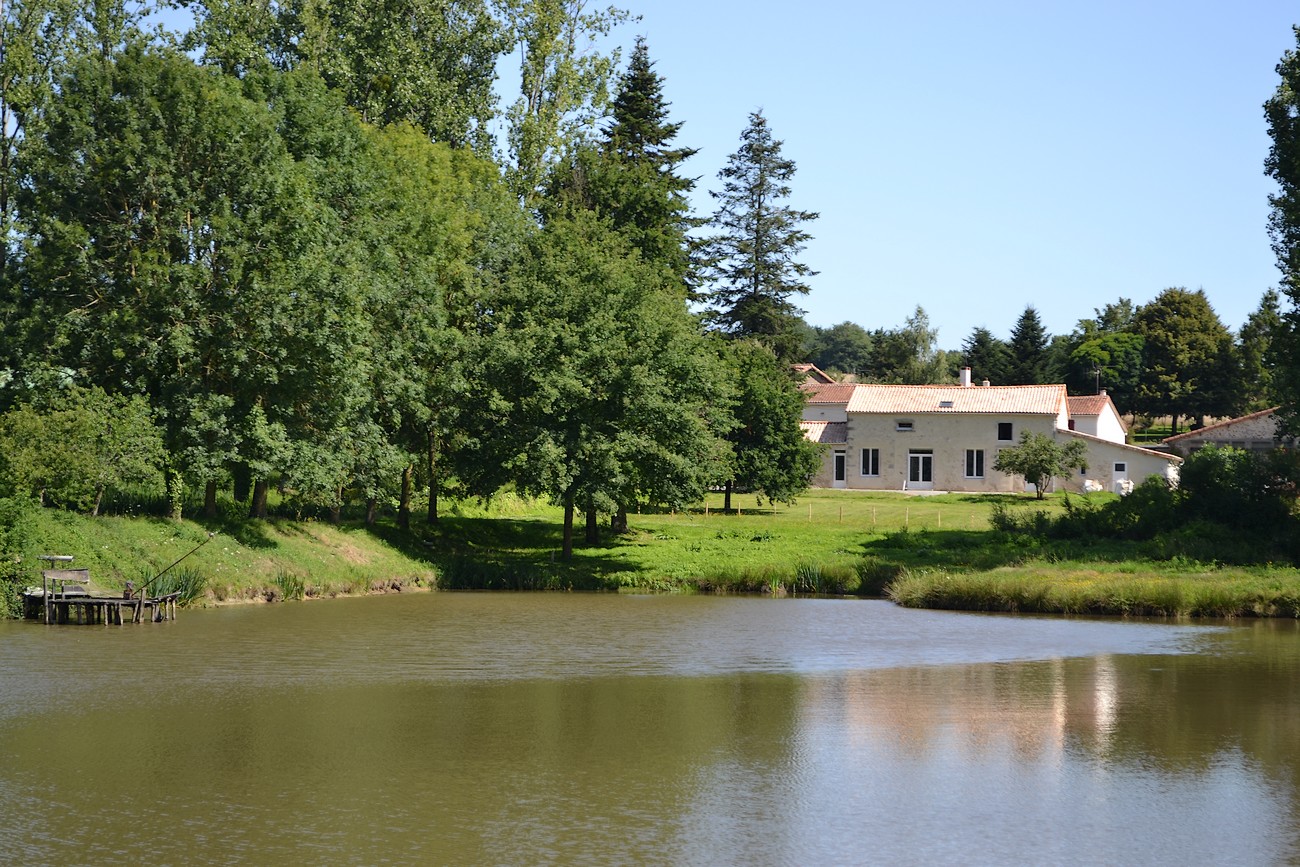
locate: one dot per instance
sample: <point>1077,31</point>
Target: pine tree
<point>986,356</point>
<point>632,176</point>
<point>1029,353</point>
<point>751,261</point>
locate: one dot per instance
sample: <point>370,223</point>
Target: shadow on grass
<point>507,554</point>
<point>249,533</point>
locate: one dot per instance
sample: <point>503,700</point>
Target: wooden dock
<point>64,599</point>
<point>108,610</point>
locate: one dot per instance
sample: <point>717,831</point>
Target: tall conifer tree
<point>1029,353</point>
<point>752,260</point>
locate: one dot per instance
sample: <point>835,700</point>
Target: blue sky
<point>974,158</point>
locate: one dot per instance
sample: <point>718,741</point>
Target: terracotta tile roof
<point>1222,424</point>
<point>833,393</point>
<point>826,432</point>
<point>1022,399</point>
<point>1088,404</point>
<point>813,375</point>
<point>1168,456</point>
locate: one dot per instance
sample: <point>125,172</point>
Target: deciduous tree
<point>1039,459</point>
<point>1282,111</point>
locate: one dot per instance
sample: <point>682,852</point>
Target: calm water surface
<point>527,729</point>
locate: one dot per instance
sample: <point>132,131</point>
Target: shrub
<point>17,523</point>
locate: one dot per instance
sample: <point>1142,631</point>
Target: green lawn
<point>932,551</point>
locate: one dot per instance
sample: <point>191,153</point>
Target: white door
<point>839,469</point>
<point>920,471</point>
<point>1120,478</point>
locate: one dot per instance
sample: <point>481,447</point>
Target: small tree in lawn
<point>1039,458</point>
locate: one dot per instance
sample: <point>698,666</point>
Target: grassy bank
<point>937,552</point>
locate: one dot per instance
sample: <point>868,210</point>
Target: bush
<point>17,524</point>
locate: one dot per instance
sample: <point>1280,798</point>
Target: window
<point>945,404</point>
<point>1004,431</point>
<point>840,461</point>
<point>1070,424</point>
<point>871,462</point>
<point>903,425</point>
<point>974,463</point>
<point>1121,468</point>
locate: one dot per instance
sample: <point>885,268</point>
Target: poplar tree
<point>1282,112</point>
<point>752,260</point>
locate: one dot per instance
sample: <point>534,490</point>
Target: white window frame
<point>903,426</point>
<point>977,463</point>
<point>869,463</point>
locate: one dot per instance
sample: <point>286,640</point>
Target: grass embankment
<point>936,552</point>
<point>244,561</point>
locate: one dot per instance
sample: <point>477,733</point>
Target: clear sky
<point>974,158</point>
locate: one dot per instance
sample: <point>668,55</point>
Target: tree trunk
<point>210,499</point>
<point>336,509</point>
<point>243,482</point>
<point>726,499</point>
<point>618,523</point>
<point>257,509</point>
<point>404,504</point>
<point>99,498</point>
<point>372,507</point>
<point>593,532</point>
<point>175,494</point>
<point>566,546</point>
<point>433,479</point>
<point>1173,425</point>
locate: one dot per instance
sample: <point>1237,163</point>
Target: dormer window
<point>905,426</point>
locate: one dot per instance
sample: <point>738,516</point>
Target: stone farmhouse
<point>1256,432</point>
<point>946,437</point>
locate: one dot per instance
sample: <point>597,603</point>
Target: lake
<point>459,728</point>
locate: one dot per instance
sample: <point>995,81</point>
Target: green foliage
<point>1189,360</point>
<point>1027,351</point>
<point>1039,459</point>
<point>987,357</point>
<point>78,444</point>
<point>191,584</point>
<point>17,526</point>
<point>564,84</point>
<point>771,455</point>
<point>751,260</point>
<point>846,348</point>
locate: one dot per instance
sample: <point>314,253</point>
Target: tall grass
<point>191,584</point>
<point>1076,590</point>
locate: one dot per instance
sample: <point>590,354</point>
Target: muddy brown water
<point>574,729</point>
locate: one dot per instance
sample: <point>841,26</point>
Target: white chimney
<point>986,383</point>
<point>965,377</point>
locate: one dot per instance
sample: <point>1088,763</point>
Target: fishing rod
<point>169,568</point>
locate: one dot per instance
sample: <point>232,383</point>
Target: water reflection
<point>500,729</point>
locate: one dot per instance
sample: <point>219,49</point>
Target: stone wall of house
<point>946,437</point>
<point>1252,433</point>
<point>1112,467</point>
